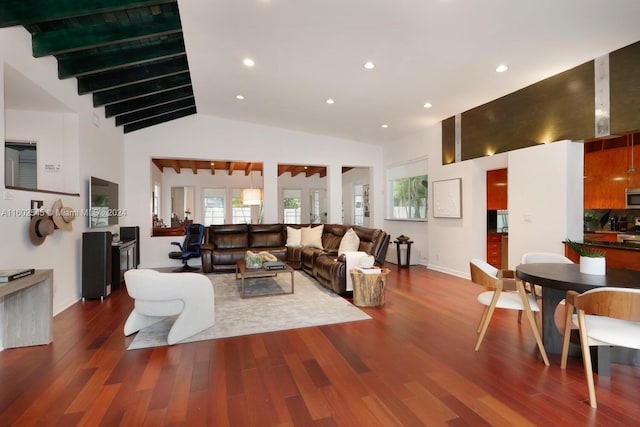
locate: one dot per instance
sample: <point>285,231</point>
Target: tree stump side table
<point>368,288</point>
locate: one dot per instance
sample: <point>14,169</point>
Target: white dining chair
<point>496,280</point>
<point>605,316</point>
<point>546,257</point>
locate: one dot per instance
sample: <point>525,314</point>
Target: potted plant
<point>592,260</point>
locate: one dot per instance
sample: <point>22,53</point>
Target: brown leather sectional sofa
<point>225,244</point>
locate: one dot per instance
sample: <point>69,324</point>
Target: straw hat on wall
<point>62,216</point>
<point>39,228</point>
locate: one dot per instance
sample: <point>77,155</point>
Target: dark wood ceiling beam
<point>141,103</point>
<point>72,39</point>
<point>99,60</point>
<point>159,119</point>
<point>132,74</point>
<point>213,168</point>
<point>232,167</point>
<point>296,170</point>
<point>194,167</point>
<point>23,12</point>
<point>140,89</point>
<point>154,111</point>
<point>249,168</point>
<point>176,166</point>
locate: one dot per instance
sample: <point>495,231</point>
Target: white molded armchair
<point>159,295</point>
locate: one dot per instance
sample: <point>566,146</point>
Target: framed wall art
<point>447,198</point>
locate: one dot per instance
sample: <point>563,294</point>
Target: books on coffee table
<point>274,265</point>
<point>9,275</point>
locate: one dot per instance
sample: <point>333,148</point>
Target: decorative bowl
<point>403,238</point>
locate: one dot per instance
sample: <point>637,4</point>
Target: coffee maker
<point>637,225</point>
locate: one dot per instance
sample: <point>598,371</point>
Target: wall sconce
<point>251,196</point>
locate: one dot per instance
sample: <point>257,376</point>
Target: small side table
<point>407,262</point>
<point>369,287</point>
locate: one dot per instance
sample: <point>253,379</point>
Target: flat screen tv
<point>103,203</point>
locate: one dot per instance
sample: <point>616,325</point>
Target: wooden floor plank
<point>412,364</point>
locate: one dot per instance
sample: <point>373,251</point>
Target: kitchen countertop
<point>613,245</point>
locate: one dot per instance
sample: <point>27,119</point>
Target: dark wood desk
<point>556,280</point>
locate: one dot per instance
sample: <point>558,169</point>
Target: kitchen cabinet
<point>494,249</point>
<point>497,189</point>
<point>606,177</point>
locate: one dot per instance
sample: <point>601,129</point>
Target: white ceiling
<point>441,51</point>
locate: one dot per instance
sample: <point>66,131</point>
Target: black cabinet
<point>96,264</point>
<point>123,259</point>
<point>132,233</point>
<point>104,262</point>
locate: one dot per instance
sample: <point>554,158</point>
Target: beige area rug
<point>310,305</point>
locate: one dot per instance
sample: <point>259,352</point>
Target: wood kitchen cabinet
<point>606,177</point>
<point>497,189</point>
<point>494,249</point>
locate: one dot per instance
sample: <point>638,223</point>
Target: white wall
<point>545,198</point>
<point>544,202</point>
<point>98,152</point>
<point>202,136</point>
<point>54,138</point>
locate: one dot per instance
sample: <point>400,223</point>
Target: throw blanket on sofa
<point>353,259</point>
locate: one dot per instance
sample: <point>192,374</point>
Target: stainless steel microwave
<point>632,196</point>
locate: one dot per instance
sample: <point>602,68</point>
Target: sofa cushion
<point>229,236</point>
<point>266,236</point>
<point>294,237</point>
<point>350,242</point>
<point>312,237</point>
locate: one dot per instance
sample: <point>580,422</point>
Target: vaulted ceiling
<point>129,54</point>
<point>147,62</point>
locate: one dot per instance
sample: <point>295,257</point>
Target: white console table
<point>26,310</point>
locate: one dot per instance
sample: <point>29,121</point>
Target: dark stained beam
<point>232,167</point>
<point>132,74</point>
<point>24,12</point>
<point>143,102</point>
<point>98,60</point>
<point>154,111</point>
<point>140,89</point>
<point>194,167</point>
<point>159,119</point>
<point>70,39</point>
<point>249,168</point>
<point>213,168</point>
<point>176,166</point>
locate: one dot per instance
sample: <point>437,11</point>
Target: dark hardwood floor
<point>412,364</point>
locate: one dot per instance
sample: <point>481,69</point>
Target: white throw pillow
<point>350,242</point>
<point>312,236</point>
<point>294,237</point>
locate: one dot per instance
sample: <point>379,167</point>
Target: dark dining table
<point>556,279</point>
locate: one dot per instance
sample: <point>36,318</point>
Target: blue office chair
<point>190,248</point>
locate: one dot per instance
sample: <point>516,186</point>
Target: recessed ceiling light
<point>369,65</point>
<point>248,62</point>
<point>427,105</point>
<point>329,101</point>
<point>384,126</point>
<point>240,97</point>
<point>501,68</point>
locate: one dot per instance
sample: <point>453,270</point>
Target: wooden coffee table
<point>242,273</point>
